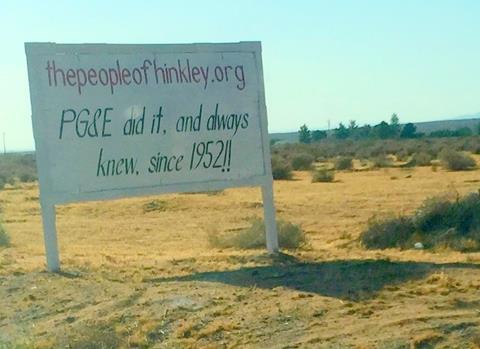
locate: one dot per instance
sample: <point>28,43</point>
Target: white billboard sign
<point>114,121</point>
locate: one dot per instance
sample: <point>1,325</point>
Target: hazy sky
<point>323,60</point>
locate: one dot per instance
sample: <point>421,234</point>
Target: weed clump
<point>290,236</point>
<point>457,161</point>
<point>155,205</point>
<point>4,238</point>
<point>344,163</point>
<point>91,335</point>
<point>323,175</point>
<point>439,223</point>
<point>281,169</point>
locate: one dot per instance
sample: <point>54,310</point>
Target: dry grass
<point>151,279</point>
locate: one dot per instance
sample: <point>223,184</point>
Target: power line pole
<point>4,145</point>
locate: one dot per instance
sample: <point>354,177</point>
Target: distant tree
<point>409,131</point>
<point>341,132</point>
<point>304,135</point>
<point>395,125</point>
<point>352,129</point>
<point>459,132</point>
<point>383,130</point>
<point>364,132</point>
<point>394,120</point>
<point>318,135</point>
<point>352,125</point>
<point>463,132</point>
<point>441,133</point>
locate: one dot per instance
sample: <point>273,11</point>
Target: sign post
<point>269,218</point>
<point>50,237</point>
<point>113,121</point>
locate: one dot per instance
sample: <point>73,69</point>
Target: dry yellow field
<point>139,273</point>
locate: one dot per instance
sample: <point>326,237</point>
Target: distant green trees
<point>306,136</point>
<point>460,132</point>
<point>382,130</point>
<point>408,131</point>
<point>318,135</point>
<point>341,132</point>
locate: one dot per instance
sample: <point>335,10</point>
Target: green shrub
<point>302,161</point>
<point>344,163</point>
<point>281,169</point>
<point>387,232</point>
<point>323,175</point>
<point>434,214</point>
<point>438,223</point>
<point>290,236</point>
<point>464,214</point>
<point>457,161</point>
<point>4,238</point>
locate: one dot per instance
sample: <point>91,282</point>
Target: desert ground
<point>140,273</point>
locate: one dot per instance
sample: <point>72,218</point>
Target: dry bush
<point>290,236</point>
<point>457,161</point>
<point>402,154</point>
<point>302,161</point>
<point>381,161</point>
<point>371,148</point>
<point>281,169</point>
<point>344,163</point>
<point>421,159</point>
<point>27,177</point>
<point>387,232</point>
<point>433,214</point>
<point>323,175</point>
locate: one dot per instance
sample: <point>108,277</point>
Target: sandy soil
<point>139,273</point>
